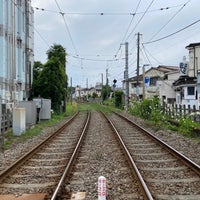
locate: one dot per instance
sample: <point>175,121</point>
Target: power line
<point>90,59</point>
<point>146,51</point>
<point>45,41</point>
<point>131,20</point>
<point>66,26</point>
<point>107,13</point>
<point>140,20</point>
<point>173,32</point>
<point>170,19</point>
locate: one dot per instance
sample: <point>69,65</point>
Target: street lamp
<point>143,75</point>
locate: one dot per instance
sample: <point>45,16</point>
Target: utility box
<point>43,108</point>
<point>19,121</point>
<point>31,111</point>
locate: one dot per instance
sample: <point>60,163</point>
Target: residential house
<point>187,86</point>
<point>159,83</point>
<point>81,93</point>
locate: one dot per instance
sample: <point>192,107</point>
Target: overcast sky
<point>91,31</point>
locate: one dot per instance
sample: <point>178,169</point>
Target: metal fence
<point>5,118</point>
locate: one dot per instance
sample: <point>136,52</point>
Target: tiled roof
<point>193,45</point>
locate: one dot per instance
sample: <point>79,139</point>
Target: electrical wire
<point>90,59</point>
<point>106,13</point>
<point>162,38</point>
<point>140,19</point>
<point>146,56</point>
<point>131,21</point>
<point>170,20</point>
<point>146,51</point>
<point>45,41</point>
<point>128,28</point>
<point>67,27</point>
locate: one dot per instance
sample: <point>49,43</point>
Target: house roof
<point>132,79</point>
<point>161,68</point>
<point>185,80</point>
<point>166,69</point>
<point>193,45</point>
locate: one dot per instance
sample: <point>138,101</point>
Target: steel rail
<point>23,158</point>
<point>72,159</point>
<point>143,185</point>
<point>192,165</point>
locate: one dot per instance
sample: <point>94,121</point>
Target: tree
<point>118,99</point>
<point>37,69</point>
<point>50,79</point>
<point>57,51</point>
<point>52,82</point>
<point>105,93</point>
<point>94,95</point>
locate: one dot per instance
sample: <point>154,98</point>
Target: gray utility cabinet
<point>44,108</point>
<point>31,111</point>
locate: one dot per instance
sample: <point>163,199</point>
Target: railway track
<point>69,166</point>
<point>100,155</point>
<point>167,173</point>
<point>40,169</point>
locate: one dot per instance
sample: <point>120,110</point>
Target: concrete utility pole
<point>138,64</point>
<point>101,87</point>
<point>71,90</point>
<point>107,83</point>
<point>126,77</point>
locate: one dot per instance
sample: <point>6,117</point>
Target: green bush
<point>149,109</point>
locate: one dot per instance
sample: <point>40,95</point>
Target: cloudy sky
<point>93,32</point>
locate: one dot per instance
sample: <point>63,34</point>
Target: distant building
<point>159,84</point>
<point>16,49</point>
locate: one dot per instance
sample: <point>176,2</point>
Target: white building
<point>186,86</point>
<point>160,81</point>
<point>16,49</point>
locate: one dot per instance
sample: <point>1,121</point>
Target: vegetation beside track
<point>150,110</point>
<point>9,139</point>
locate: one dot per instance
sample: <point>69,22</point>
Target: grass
<point>9,139</point>
<point>98,107</point>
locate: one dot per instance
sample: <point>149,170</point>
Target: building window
<point>190,90</point>
<point>153,81</point>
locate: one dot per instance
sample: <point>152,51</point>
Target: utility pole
<point>107,83</point>
<point>126,77</point>
<point>101,88</point>
<point>87,88</point>
<point>71,90</point>
<point>138,64</point>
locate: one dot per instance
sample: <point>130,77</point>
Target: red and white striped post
<point>101,188</point>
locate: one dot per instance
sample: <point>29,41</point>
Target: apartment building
<point>16,50</point>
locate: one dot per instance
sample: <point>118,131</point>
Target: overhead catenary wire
<point>170,19</point>
<point>140,20</point>
<point>107,13</point>
<point>182,29</point>
<point>67,28</point>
